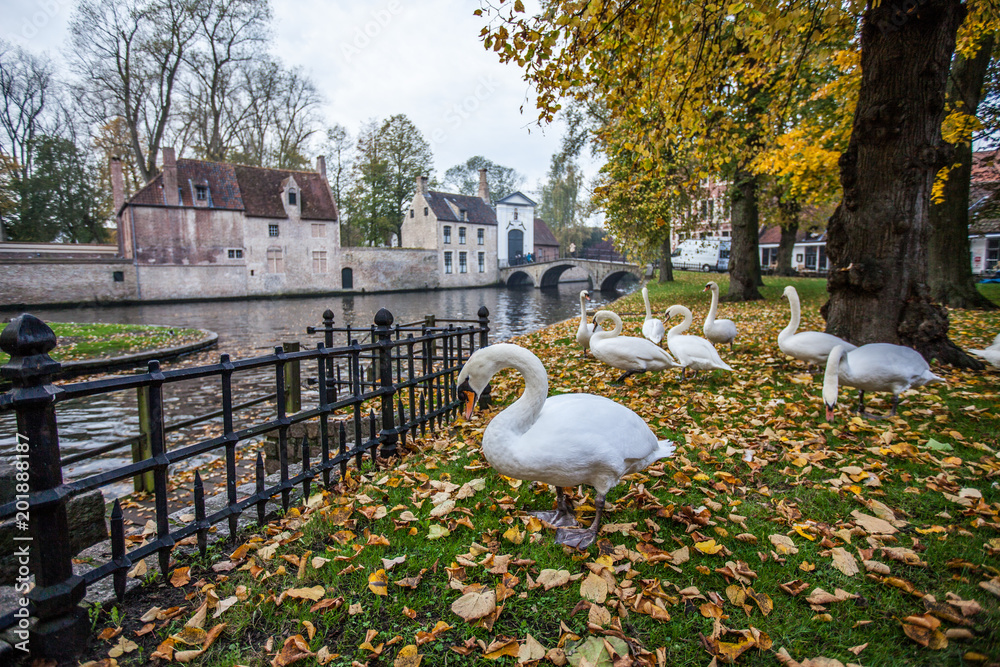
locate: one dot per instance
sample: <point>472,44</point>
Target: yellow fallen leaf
<point>708,547</point>
<point>378,583</point>
<point>408,656</point>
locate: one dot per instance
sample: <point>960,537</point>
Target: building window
<point>235,253</point>
<point>201,192</point>
<point>447,234</point>
<point>811,257</point>
<point>725,233</point>
<point>447,262</point>
<point>480,237</point>
<point>992,254</point>
<point>822,258</point>
<point>272,230</point>
<point>275,261</point>
<point>463,266</point>
<point>768,256</point>
<point>318,230</point>
<point>461,235</point>
<point>482,262</point>
<point>292,199</point>
<point>319,261</point>
<point>347,278</point>
<point>412,213</point>
<point>515,214</point>
<point>425,211</point>
<point>118,276</point>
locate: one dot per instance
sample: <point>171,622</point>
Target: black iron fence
<point>409,387</point>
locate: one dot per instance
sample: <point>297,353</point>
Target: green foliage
<point>59,200</point>
<point>464,178</point>
<point>388,158</point>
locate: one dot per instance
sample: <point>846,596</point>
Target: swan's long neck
<point>523,412</point>
<point>603,334</point>
<point>645,300</point>
<point>831,378</point>
<point>583,311</point>
<point>714,309</point>
<point>683,326</point>
<point>793,325</point>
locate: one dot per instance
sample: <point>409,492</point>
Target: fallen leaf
<point>408,656</point>
<point>844,561</point>
<point>472,606</point>
<point>378,583</point>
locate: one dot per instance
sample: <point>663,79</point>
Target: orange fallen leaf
<point>378,582</point>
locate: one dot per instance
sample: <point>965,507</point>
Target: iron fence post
<point>61,630</point>
<point>293,380</point>
<point>486,398</point>
<point>383,330</point>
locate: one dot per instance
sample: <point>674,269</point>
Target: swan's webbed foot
<point>557,518</point>
<point>562,516</point>
<point>580,538</point>
<point>625,375</point>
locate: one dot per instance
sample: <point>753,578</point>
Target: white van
<point>702,255</point>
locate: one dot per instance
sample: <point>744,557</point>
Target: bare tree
<point>26,86</point>
<point>230,32</point>
<point>128,56</point>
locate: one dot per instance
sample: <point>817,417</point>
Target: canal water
<point>254,327</point>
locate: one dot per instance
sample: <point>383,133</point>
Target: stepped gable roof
<point>544,235</point>
<point>254,190</point>
<point>261,189</point>
<point>446,207</point>
<point>219,177</point>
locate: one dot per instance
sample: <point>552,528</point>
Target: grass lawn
<point>101,341</point>
<point>772,537</point>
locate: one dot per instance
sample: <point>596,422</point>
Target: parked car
<point>702,255</point>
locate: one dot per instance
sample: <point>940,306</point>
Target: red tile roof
<point>254,190</point>
<point>543,235</point>
<point>447,207</point>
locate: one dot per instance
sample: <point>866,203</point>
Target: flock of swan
<point>573,439</point>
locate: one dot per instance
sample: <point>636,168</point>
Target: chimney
<point>484,188</point>
<point>117,184</point>
<point>422,185</point>
<point>321,165</point>
<point>170,196</point>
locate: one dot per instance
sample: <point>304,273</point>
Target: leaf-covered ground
<point>102,341</point>
<point>772,537</point>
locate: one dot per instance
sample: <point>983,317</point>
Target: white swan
<point>652,328</point>
<point>809,346</point>
<point>627,353</point>
<point>563,441</point>
<point>585,331</point>
<point>717,331</point>
<point>991,354</point>
<point>874,367</point>
<point>691,351</point>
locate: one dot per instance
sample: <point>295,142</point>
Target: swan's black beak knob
<point>468,398</point>
<point>829,412</point>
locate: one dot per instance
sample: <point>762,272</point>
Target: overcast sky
<point>375,59</point>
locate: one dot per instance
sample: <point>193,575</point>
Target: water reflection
<point>250,328</point>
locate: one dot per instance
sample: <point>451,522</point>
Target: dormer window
<point>201,192</point>
<point>292,198</point>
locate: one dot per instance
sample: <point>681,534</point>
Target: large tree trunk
<point>666,264</point>
<point>950,275</point>
<point>744,255</point>
<point>878,234</point>
<point>789,217</point>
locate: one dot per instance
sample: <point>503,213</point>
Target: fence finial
<point>383,318</point>
<point>28,340</point>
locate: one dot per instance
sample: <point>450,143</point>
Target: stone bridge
<point>603,275</point>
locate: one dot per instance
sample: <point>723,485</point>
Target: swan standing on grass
<point>809,346</point>
<point>652,328</point>
<point>874,367</point>
<point>586,330</point>
<point>990,354</point>
<point>627,353</point>
<point>563,441</point>
<point>718,331</point>
<point>692,351</point>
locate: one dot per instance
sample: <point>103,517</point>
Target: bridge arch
<point>610,281</point>
<point>552,274</point>
<point>519,279</point>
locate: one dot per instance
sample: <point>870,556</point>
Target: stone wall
<point>383,269</point>
<point>69,281</point>
<point>166,283</point>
